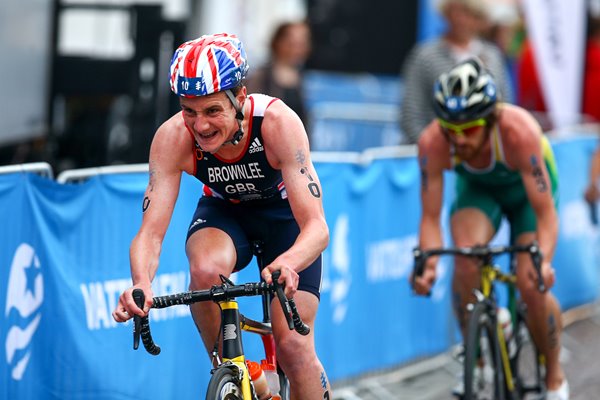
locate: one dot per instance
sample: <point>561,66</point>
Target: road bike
<point>230,378</point>
<point>497,367</point>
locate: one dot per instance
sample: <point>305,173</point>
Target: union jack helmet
<point>208,64</point>
<point>466,92</point>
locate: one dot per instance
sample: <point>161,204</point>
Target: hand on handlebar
<point>289,278</point>
<point>422,284</point>
<point>289,309</point>
<point>548,275</point>
<point>126,307</point>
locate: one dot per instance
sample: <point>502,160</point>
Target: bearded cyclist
<point>504,168</point>
<point>251,152</point>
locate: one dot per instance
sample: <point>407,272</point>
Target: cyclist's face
<point>210,118</point>
<point>468,137</point>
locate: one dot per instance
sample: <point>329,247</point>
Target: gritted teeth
<point>208,135</point>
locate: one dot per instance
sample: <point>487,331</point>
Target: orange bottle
<point>259,380</point>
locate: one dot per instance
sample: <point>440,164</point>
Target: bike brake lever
<point>536,258</point>
<point>299,325</point>
<point>418,268</point>
<point>419,264</point>
<point>285,305</point>
<point>138,297</point>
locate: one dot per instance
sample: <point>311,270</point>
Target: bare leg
<point>296,353</point>
<point>210,252</point>
<point>543,317</point>
<point>469,227</point>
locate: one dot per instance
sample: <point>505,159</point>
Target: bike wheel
<point>527,363</point>
<point>483,373</point>
<point>224,385</point>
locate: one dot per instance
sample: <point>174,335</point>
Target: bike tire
<point>224,385</point>
<point>483,372</point>
<point>527,364</point>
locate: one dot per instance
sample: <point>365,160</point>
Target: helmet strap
<point>239,115</point>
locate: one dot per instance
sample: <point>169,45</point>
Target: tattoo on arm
<point>537,173</point>
<point>300,157</point>
<point>145,204</point>
<point>312,185</point>
<point>152,177</point>
<point>324,385</point>
<point>424,176</point>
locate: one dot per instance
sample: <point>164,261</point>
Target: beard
<point>469,152</point>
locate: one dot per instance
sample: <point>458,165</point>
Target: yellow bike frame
<point>489,274</point>
<point>233,352</point>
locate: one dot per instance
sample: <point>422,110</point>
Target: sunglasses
<point>466,129</point>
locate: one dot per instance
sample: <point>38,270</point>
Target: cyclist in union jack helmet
<point>252,154</point>
<point>504,168</point>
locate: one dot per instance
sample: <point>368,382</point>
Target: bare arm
<point>592,192</point>
<point>157,207</point>
<point>528,153</point>
<point>526,150</point>
<point>288,150</point>
<point>433,151</point>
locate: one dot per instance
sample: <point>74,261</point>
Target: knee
<point>531,295</point>
<point>296,354</point>
<point>465,271</point>
<point>527,283</point>
<point>205,271</point>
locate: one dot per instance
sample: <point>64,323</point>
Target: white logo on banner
<point>340,282</point>
<point>392,259</point>
<point>101,298</point>
<point>25,294</point>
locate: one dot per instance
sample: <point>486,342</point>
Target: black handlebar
<point>289,308</point>
<point>485,253</point>
<point>217,293</point>
<point>141,327</point>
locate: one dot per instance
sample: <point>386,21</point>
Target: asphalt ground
<point>433,378</point>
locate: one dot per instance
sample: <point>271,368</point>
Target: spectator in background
<point>282,76</point>
<point>506,31</point>
<point>466,20</point>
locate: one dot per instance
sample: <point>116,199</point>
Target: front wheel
<point>483,373</point>
<point>224,385</point>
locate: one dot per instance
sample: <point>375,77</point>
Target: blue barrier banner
<point>64,259</point>
<point>369,318</point>
<point>576,259</point>
<point>65,262</point>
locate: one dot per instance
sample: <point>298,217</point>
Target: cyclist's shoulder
<point>173,129</point>
<point>172,141</point>
<point>521,138</point>
<point>518,127</point>
<point>432,143</point>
